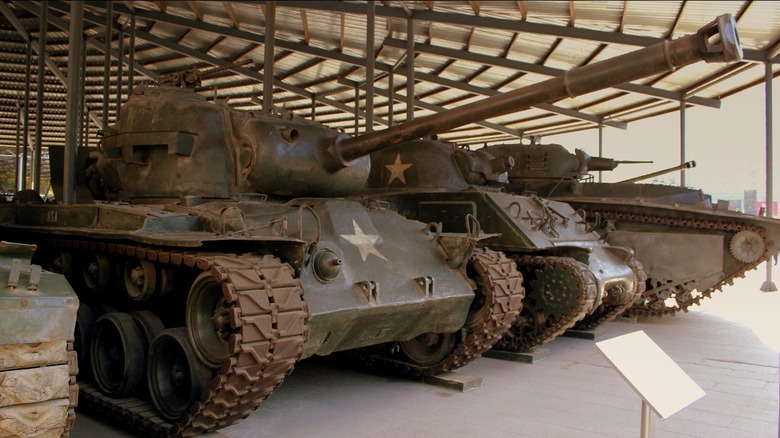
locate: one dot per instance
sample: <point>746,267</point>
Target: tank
<point>688,247</point>
<point>572,277</point>
<point>38,366</point>
<point>223,246</point>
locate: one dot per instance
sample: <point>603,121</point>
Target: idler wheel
<point>96,271</point>
<point>140,279</point>
<point>208,323</point>
<point>428,348</point>
<point>747,246</point>
<point>176,377</point>
<point>117,354</point>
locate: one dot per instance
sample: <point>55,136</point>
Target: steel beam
<point>370,61</point>
<point>682,142</point>
<point>268,56</point>
<point>63,25</point>
<point>484,22</point>
<point>35,172</point>
<point>107,60</point>
<point>769,285</point>
<point>75,92</point>
<point>410,69</point>
<point>26,115</point>
<point>14,20</point>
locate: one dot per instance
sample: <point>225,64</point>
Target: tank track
<point>495,272</point>
<point>73,389</point>
<point>686,299</point>
<point>519,339</point>
<point>606,313</point>
<point>256,365</point>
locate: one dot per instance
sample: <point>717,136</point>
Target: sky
<point>728,145</point>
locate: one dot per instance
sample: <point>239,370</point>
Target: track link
<point>533,328</point>
<point>503,284</point>
<point>270,318</point>
<point>687,300</point>
<point>608,312</point>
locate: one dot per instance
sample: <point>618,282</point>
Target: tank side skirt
<point>700,224</point>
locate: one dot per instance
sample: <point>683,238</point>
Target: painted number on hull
<point>51,216</point>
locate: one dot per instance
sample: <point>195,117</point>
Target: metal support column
<point>390,100</point>
<point>119,65</point>
<point>131,57</point>
<point>107,61</point>
<point>17,157</point>
<point>35,171</point>
<point>682,142</point>
<point>74,100</point>
<point>769,285</point>
<point>409,69</point>
<point>601,142</point>
<point>268,57</point>
<point>26,116</point>
<point>313,107</point>
<point>370,23</point>
<point>357,108</point>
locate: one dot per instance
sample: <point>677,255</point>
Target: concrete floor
<point>729,347</point>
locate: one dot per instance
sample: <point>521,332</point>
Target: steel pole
<point>601,143</point>
<point>390,100</point>
<point>268,60</point>
<point>769,285</point>
<point>357,108</point>
<point>26,116</point>
<point>313,107</point>
<point>409,69</point>
<point>107,61</point>
<point>17,158</point>
<point>682,142</point>
<point>131,56</point>
<point>370,24</point>
<point>648,421</point>
<point>119,65</point>
<point>35,171</point>
<point>74,99</point>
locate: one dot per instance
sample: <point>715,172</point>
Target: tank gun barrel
<point>683,166</point>
<point>659,58</point>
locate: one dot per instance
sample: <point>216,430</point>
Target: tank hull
<point>281,280</point>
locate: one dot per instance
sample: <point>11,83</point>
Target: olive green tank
<point>689,247</point>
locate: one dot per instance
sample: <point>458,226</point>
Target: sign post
<point>660,382</point>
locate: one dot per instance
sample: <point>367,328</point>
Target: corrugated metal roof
<point>321,51</point>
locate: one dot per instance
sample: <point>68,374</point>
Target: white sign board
<point>652,373</point>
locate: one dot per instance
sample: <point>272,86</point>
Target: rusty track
<point>496,274</point>
<point>642,309</point>
<point>606,313</point>
<point>270,318</point>
<point>532,329</point>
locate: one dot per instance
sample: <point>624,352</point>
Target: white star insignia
<point>365,243</point>
<point>397,170</point>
